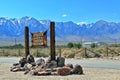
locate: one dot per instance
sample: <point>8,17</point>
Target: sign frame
<point>39,39</point>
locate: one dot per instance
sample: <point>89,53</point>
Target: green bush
<point>70,45</point>
<point>13,46</point>
<point>77,45</point>
<point>94,45</point>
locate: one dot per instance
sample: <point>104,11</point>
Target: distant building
<point>88,44</point>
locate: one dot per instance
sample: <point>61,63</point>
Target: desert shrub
<point>14,54</point>
<point>84,55</point>
<point>99,50</point>
<point>71,55</point>
<point>114,45</point>
<point>97,55</point>
<point>41,54</point>
<point>90,55</point>
<point>6,54</point>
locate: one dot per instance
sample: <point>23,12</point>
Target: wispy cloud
<point>64,15</point>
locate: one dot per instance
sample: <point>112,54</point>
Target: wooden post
<point>113,54</point>
<point>59,52</point>
<point>19,52</point>
<point>3,52</point>
<point>107,51</point>
<point>52,41</point>
<point>15,41</point>
<point>26,41</point>
<point>85,52</point>
<point>37,53</point>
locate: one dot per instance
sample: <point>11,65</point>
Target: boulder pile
<point>42,67</point>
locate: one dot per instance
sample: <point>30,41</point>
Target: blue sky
<point>62,10</point>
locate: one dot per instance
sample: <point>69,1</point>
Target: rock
<point>48,60</point>
<point>40,62</point>
<point>54,73</point>
<point>69,65</point>
<point>60,61</point>
<point>15,68</point>
<point>63,71</point>
<point>51,69</point>
<point>77,69</point>
<point>52,64</point>
<point>41,68</point>
<point>34,72</point>
<point>33,64</point>
<point>15,64</point>
<point>30,59</point>
<point>22,69</point>
<point>43,73</point>
<point>27,68</point>
<point>22,62</point>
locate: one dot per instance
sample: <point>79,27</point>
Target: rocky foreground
<point>89,74</point>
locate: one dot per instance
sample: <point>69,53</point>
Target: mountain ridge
<point>65,31</point>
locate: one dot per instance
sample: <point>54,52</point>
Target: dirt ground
<point>89,74</point>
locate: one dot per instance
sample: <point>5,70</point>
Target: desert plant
<point>6,54</point>
<point>71,55</point>
<point>97,55</point>
<point>84,55</point>
<point>41,54</point>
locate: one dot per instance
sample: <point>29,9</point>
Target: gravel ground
<point>89,74</point>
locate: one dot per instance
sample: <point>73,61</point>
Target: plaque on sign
<point>39,39</point>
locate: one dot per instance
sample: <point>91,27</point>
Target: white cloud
<point>64,15</point>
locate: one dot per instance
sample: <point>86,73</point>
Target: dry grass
<point>21,52</point>
<point>65,52</point>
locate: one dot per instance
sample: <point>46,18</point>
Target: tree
<point>77,45</point>
<point>70,45</point>
<point>93,45</point>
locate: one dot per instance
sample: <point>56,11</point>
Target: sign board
<point>39,39</point>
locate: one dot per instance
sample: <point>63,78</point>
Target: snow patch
<point>82,23</point>
<point>42,22</point>
<point>2,21</point>
<point>18,21</point>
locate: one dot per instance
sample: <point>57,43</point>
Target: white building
<point>88,44</point>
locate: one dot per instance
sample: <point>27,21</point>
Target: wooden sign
<point>39,39</point>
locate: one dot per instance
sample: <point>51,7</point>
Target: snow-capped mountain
<point>65,31</point>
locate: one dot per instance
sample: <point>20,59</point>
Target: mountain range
<point>11,28</point>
